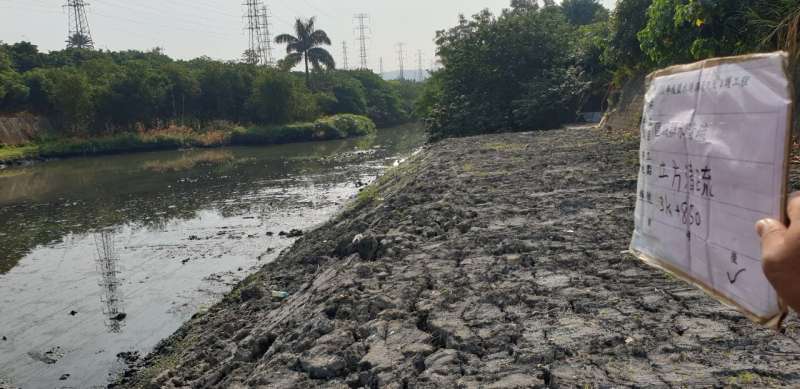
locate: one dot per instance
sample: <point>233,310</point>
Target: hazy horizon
<point>187,30</point>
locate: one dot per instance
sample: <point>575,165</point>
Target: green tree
<point>624,50</point>
<point>184,88</point>
<point>430,95</point>
<point>583,12</point>
<point>592,43</point>
<point>279,98</point>
<point>41,87</point>
<point>72,100</point>
<point>306,47</point>
<point>551,100</point>
<point>776,24</point>
<point>384,106</point>
<point>490,64</point>
<point>87,92</point>
<point>79,41</point>
<point>350,95</point>
<point>224,90</point>
<point>13,91</point>
<point>24,56</point>
<point>680,31</point>
<point>409,92</point>
<point>136,96</point>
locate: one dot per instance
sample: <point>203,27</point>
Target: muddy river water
<point>101,258</point>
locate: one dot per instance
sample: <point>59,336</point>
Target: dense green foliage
<point>520,70</point>
<point>336,127</point>
<point>535,66</point>
<point>89,93</point>
<point>683,31</point>
<point>217,134</point>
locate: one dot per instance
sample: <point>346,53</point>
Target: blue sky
<point>191,28</point>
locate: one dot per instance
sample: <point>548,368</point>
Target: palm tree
<point>80,41</point>
<point>305,46</point>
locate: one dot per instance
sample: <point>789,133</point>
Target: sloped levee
<point>22,128</point>
<point>626,111</point>
<point>487,262</point>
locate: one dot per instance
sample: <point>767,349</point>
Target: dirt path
<point>488,262</point>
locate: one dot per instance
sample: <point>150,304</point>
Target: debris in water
<point>129,357</point>
<point>5,339</point>
<point>119,317</point>
<point>64,377</point>
<point>73,313</point>
<point>49,357</point>
<point>292,234</point>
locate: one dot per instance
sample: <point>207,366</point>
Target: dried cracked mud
<point>488,262</point>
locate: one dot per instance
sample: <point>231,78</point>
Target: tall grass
<point>171,138</point>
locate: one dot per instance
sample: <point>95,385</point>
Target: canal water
<point>101,258</point>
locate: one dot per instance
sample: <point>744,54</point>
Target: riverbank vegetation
<point>535,66</point>
<point>214,134</point>
<point>109,101</point>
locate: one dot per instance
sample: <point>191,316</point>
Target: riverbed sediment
<point>496,261</point>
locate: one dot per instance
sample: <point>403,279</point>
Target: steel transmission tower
<point>266,38</point>
<point>79,34</point>
<point>255,36</point>
<point>363,32</point>
<point>381,63</point>
<point>345,64</point>
<point>401,59</point>
<point>420,74</point>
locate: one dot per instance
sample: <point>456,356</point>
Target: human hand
<point>780,248</point>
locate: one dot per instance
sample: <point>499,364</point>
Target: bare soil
<point>488,262</point>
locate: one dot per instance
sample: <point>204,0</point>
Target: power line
<point>79,35</point>
<point>213,34</point>
<point>362,38</point>
<point>401,60</point>
<point>344,54</point>
<point>201,21</point>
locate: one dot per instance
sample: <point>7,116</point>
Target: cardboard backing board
<point>714,160</point>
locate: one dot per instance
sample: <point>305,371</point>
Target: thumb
<point>772,233</point>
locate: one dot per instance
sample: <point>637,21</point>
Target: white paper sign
<point>713,155</point>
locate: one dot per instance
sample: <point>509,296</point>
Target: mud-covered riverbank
<point>497,261</point>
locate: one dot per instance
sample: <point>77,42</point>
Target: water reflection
<point>111,297</point>
<point>42,203</point>
<point>181,226</point>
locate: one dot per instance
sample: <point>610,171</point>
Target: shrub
<point>334,127</point>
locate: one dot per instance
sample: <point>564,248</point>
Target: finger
<point>772,233</point>
<point>793,207</point>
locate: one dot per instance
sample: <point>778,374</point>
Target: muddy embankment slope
<point>488,262</point>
